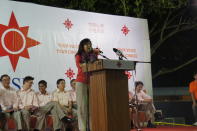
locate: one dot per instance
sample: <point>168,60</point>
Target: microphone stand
<point>137,107</point>
<point>88,93</point>
<point>120,58</point>
<point>136,98</point>
<point>104,56</point>
<point>135,95</point>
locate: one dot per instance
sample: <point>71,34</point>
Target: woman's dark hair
<point>83,42</point>
<point>42,82</point>
<point>138,83</point>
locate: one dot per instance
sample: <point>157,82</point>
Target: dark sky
<point>176,51</point>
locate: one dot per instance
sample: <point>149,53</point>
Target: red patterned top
<point>81,76</point>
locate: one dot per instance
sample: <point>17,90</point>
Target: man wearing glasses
<point>27,101</point>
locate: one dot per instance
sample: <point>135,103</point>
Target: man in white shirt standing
<point>27,101</point>
<point>49,106</point>
<point>9,102</point>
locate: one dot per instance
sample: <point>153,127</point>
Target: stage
<point>170,128</point>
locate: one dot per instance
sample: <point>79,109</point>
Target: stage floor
<point>170,128</point>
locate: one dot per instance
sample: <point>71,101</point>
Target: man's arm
<point>35,103</point>
<point>146,97</point>
<point>70,105</point>
<point>55,97</point>
<point>192,90</point>
<point>193,99</point>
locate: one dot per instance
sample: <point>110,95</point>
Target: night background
<point>173,41</point>
<point>172,27</point>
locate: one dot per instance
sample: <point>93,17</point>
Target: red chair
<point>11,124</point>
<point>49,121</point>
<point>33,120</point>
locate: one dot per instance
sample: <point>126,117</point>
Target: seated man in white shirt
<point>73,93</point>
<point>63,98</point>
<point>28,101</point>
<point>74,100</point>
<point>8,101</point>
<point>49,106</point>
<point>145,102</point>
<point>43,96</point>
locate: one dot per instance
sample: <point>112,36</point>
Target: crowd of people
<point>68,108</point>
<point>22,104</point>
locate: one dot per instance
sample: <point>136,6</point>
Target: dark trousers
<point>2,120</point>
<point>195,112</point>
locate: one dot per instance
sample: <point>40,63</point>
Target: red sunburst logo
<point>129,75</point>
<point>14,41</point>
<point>70,73</point>
<point>125,30</point>
<point>68,24</point>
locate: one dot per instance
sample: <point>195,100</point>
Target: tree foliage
<point>167,19</point>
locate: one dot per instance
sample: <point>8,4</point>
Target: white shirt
<point>142,95</point>
<point>43,99</point>
<point>73,96</point>
<point>8,98</point>
<point>62,97</point>
<point>27,98</point>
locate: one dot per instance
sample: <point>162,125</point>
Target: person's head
<point>195,75</point>
<point>139,86</point>
<point>5,80</point>
<point>42,85</point>
<point>28,82</point>
<point>73,83</point>
<point>85,46</point>
<point>61,84</point>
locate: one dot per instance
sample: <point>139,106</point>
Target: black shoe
<point>36,130</point>
<point>150,125</point>
<point>67,120</point>
<point>69,129</point>
<point>58,130</point>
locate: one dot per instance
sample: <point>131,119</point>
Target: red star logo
<point>68,24</point>
<point>70,73</point>
<point>129,75</point>
<point>125,30</point>
<point>14,41</point>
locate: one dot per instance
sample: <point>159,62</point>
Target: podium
<point>108,95</point>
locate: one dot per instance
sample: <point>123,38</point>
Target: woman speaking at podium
<point>85,54</point>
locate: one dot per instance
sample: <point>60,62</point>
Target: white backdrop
<point>45,50</point>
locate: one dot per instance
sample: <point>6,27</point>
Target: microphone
<point>119,53</point>
<point>90,49</point>
<point>97,50</point>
